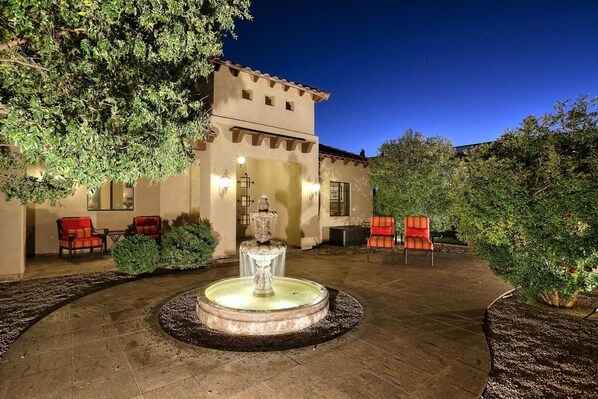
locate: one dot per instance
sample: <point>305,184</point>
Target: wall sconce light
<point>314,190</point>
<point>241,160</point>
<point>224,184</point>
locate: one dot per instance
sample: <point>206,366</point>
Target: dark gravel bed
<point>178,318</point>
<point>542,352</point>
<point>23,303</point>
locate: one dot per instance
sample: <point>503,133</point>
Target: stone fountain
<point>262,301</point>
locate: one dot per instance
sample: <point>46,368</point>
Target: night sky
<point>467,71</point>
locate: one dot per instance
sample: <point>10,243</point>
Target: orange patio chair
<point>382,234</point>
<point>76,233</point>
<point>417,235</point>
<point>150,226</point>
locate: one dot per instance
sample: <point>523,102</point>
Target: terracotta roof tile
<point>327,151</point>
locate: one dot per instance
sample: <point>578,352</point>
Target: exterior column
<point>12,240</point>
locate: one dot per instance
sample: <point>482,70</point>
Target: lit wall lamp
<point>224,184</point>
<point>314,190</point>
<point>241,160</point>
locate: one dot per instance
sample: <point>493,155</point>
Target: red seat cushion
<point>89,242</point>
<point>381,242</point>
<point>418,243</point>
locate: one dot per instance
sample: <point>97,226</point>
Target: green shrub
<point>412,176</point>
<point>527,202</point>
<point>188,246</point>
<point>136,254</point>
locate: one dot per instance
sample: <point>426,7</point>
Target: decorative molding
<point>238,135</point>
<point>306,147</point>
<point>292,144</point>
<point>257,139</point>
<point>275,142</point>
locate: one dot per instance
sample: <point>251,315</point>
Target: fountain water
<point>261,301</point>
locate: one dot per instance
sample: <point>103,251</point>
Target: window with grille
<point>339,199</point>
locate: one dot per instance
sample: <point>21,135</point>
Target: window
<point>269,101</point>
<point>290,106</point>
<point>246,94</point>
<point>112,196</point>
<point>339,199</point>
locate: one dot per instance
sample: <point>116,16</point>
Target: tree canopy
<point>100,90</point>
<point>412,176</point>
<point>527,202</point>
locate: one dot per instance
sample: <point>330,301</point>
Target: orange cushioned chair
<point>150,226</point>
<point>382,234</point>
<point>79,233</point>
<point>417,235</point>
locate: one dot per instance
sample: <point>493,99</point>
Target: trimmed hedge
<point>187,247</point>
<point>136,254</point>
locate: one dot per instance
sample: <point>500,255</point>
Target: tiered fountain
<point>262,301</point>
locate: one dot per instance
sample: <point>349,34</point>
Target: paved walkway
<point>421,338</point>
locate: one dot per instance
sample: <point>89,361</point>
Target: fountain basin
<point>229,305</point>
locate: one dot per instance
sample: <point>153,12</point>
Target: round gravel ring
<point>178,318</point>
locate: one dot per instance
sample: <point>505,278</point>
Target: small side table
<point>116,235</point>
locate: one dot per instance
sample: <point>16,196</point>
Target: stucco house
<point>263,120</point>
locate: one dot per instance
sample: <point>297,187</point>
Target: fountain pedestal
<point>263,254</point>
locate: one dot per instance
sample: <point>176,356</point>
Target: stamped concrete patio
<point>421,338</point>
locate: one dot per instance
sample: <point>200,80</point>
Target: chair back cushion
<point>147,221</point>
<point>79,227</point>
<point>382,221</point>
<point>75,223</point>
<point>417,226</point>
<point>382,231</point>
<point>147,225</point>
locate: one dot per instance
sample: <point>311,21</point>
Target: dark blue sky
<point>466,71</point>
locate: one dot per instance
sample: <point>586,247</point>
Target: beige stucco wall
<point>221,157</point>
<point>147,202</point>
<point>180,194</point>
<point>12,240</point>
<point>281,183</point>
<point>255,114</point>
<point>281,174</point>
<point>360,194</point>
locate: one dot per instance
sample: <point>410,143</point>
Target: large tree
<point>99,90</point>
<point>412,176</point>
<point>527,203</point>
